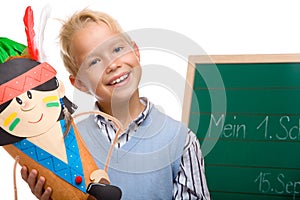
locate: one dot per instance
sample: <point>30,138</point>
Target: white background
<point>219,27</point>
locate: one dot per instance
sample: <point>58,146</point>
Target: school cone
<point>60,188</point>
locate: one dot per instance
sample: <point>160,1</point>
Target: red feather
<point>29,24</point>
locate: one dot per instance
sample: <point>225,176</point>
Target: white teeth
<point>120,79</point>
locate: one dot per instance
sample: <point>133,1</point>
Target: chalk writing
<point>289,129</point>
<point>277,184</point>
<point>254,128</point>
<point>230,130</point>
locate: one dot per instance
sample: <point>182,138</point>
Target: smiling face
<point>31,113</point>
<point>109,65</point>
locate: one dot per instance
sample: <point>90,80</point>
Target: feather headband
<point>20,74</point>
<point>35,76</point>
<point>29,24</point>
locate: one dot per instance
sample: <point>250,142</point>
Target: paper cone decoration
<point>36,124</point>
<point>32,128</point>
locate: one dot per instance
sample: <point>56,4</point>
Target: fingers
<point>24,173</point>
<point>47,194</point>
<point>32,180</point>
<point>37,189</point>
<point>36,184</point>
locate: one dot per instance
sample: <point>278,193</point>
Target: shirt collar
<point>136,122</point>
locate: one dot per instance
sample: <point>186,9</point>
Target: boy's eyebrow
<point>111,41</point>
<point>102,46</point>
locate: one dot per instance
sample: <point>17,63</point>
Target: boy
<point>155,157</point>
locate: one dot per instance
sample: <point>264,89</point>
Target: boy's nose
<point>113,66</point>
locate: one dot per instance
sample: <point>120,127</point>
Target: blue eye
<point>118,49</point>
<point>94,62</point>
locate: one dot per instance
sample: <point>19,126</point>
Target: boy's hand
<point>36,186</point>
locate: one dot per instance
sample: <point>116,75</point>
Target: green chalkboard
<point>245,110</point>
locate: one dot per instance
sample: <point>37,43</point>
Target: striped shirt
<point>190,182</point>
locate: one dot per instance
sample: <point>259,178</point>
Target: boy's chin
<point>124,93</point>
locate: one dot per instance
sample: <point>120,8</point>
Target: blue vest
<point>144,167</point>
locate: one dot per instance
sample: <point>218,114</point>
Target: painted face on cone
<point>31,113</point>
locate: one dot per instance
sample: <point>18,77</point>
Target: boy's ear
<point>136,50</point>
<point>78,84</point>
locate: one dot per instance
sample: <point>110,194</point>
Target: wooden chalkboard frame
<point>198,60</point>
<point>218,59</point>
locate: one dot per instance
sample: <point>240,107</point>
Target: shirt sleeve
<point>190,182</point>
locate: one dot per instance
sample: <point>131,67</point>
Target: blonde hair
<point>76,22</point>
